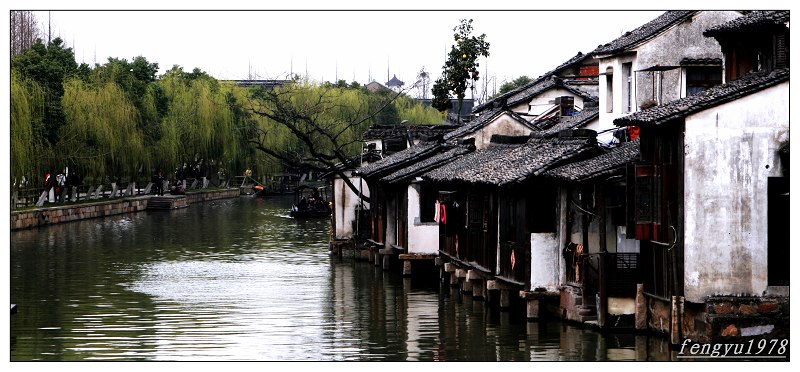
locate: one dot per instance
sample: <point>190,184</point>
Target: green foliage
<point>202,124</point>
<point>101,130</point>
<point>413,112</point>
<point>511,85</point>
<point>48,66</point>
<point>121,121</point>
<point>27,110</point>
<point>460,70</point>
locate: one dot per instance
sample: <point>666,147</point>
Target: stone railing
<point>66,213</point>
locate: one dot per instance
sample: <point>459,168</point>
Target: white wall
<point>422,237</point>
<point>545,256</point>
<point>606,119</point>
<point>391,221</point>
<point>625,245</point>
<point>731,150</point>
<point>503,125</point>
<point>684,40</point>
<point>546,100</point>
<point>345,201</point>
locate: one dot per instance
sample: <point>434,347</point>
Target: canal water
<point>238,279</point>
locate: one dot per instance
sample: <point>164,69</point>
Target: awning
<point>659,68</point>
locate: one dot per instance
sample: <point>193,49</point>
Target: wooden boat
<point>259,190</point>
<point>311,202</point>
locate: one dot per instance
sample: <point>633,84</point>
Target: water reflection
<point>239,280</point>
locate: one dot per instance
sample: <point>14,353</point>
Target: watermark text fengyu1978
<point>746,349</point>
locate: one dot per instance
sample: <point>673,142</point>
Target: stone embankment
<point>109,207</point>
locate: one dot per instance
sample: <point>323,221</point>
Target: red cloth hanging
<point>443,214</point>
<point>633,132</point>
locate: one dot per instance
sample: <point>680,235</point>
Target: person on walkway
<point>158,180</point>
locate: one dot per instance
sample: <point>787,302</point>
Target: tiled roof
<point>530,90</point>
<point>515,92</point>
<point>475,124</point>
<point>399,159</point>
<point>434,161</point>
<point>525,95</point>
<point>597,166</point>
<point>484,119</point>
<point>384,131</point>
<point>501,165</point>
<point>643,32</point>
<point>719,94</point>
<point>394,82</point>
<point>749,21</point>
<point>352,163</point>
<point>414,131</point>
<point>583,117</point>
<point>686,61</point>
<point>423,132</point>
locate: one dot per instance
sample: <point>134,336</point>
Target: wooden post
<point>640,322</point>
<point>603,267</point>
<point>533,309</point>
<point>386,262</point>
<point>675,321</point>
<point>505,299</point>
<point>406,268</point>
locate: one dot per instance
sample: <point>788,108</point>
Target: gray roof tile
<point>399,159</point>
<point>578,120</point>
<point>749,21</point>
<point>431,162</point>
<point>597,166</point>
<point>643,32</point>
<point>500,165</point>
<point>518,91</point>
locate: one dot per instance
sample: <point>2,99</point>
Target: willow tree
<point>199,127</point>
<point>27,110</point>
<point>308,126</point>
<point>101,135</point>
<point>413,112</point>
<point>319,127</point>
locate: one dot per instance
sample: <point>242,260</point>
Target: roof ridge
<point>711,97</point>
<point>644,32</point>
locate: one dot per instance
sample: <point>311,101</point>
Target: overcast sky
<point>349,45</point>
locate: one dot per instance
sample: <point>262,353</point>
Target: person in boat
<point>303,204</point>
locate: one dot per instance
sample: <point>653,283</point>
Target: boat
<point>311,202</point>
<point>259,190</point>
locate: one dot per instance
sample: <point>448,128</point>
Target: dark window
<point>541,209</point>
<point>427,203</point>
<point>778,231</point>
<point>609,91</point>
<point>700,78</point>
<point>627,87</point>
<point>509,225</point>
<point>781,51</point>
<point>644,201</point>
